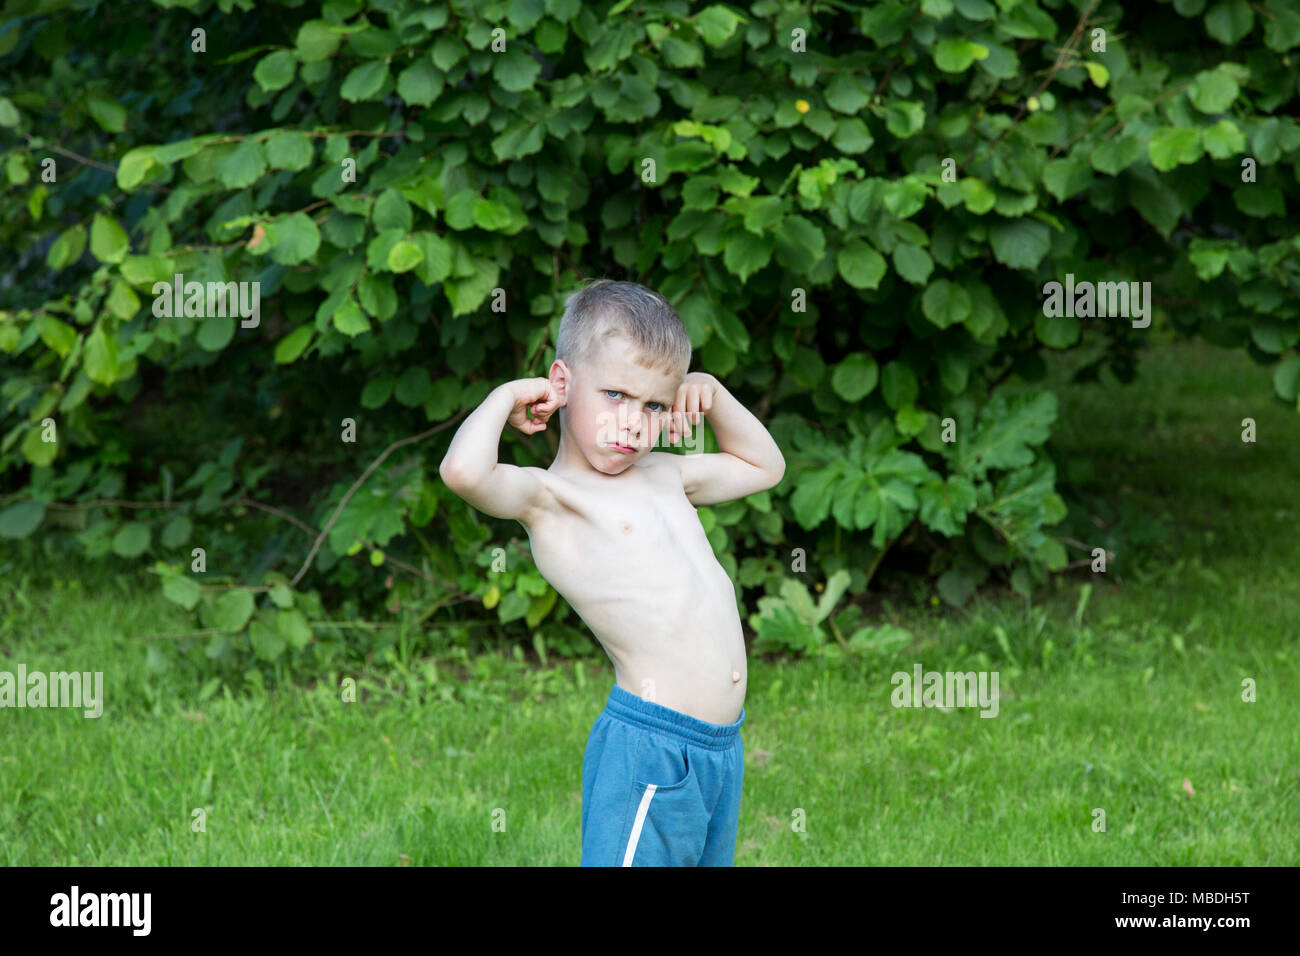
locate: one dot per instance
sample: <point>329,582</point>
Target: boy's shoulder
<point>664,463</point>
<point>659,467</point>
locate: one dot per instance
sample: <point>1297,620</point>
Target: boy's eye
<point>612,394</point>
<point>658,406</point>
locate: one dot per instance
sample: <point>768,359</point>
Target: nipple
<point>735,676</point>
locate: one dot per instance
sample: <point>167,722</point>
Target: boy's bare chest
<point>641,529</point>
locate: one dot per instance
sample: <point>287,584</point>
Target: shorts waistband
<point>628,707</point>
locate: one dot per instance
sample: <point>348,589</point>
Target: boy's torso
<point>630,556</point>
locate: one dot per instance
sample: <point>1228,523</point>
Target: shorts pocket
<point>668,823</point>
<point>665,766</point>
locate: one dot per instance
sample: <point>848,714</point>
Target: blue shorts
<point>659,787</point>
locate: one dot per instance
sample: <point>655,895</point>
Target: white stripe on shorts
<point>640,820</point>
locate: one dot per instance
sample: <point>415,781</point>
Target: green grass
<point>1110,700</point>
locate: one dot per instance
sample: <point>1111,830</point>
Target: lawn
<point>1119,692</point>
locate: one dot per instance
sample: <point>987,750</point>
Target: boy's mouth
<point>623,449</point>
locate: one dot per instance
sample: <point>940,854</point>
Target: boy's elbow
<point>453,476</point>
<point>778,472</point>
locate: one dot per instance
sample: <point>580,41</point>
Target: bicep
<point>711,479</point>
<point>507,491</point>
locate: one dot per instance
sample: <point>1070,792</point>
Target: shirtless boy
<point>613,528</point>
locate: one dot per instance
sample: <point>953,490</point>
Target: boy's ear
<point>560,377</point>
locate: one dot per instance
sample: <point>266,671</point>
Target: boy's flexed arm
<point>470,467</point>
<point>749,460</point>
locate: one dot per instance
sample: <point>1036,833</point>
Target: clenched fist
<point>694,398</point>
<point>535,401</point>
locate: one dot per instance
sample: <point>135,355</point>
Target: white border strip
<point>640,820</point>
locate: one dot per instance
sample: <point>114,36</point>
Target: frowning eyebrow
<point>666,402</point>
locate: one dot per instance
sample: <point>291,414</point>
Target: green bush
<point>855,210</point>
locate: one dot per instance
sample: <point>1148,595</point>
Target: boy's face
<point>615,408</point>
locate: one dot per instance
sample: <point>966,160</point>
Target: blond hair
<point>606,308</point>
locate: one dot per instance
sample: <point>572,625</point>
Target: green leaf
<point>956,56</point>
<point>1006,429</point>
<point>847,93</point>
<point>945,303</point>
<point>716,24</point>
<point>420,83</point>
<point>377,296</point>
<point>108,242</point>
<point>861,266</point>
<point>215,333</point>
<point>1066,177</point>
<point>107,113</point>
<point>100,357</point>
<point>404,256</point>
<point>800,245</point>
<point>317,40</point>
<point>289,149</point>
<point>280,596</point>
<point>36,450</point>
<point>852,136</point>
<point>275,72</point>
<point>1286,382</point>
<point>1213,90</point>
<point>448,50</point>
<point>242,166</point>
<point>904,118</point>
<point>294,344</point>
<point>349,319</point>
<point>1259,201</point>
<point>905,197</point>
<point>515,70</point>
<point>413,387</point>
<point>181,590</point>
<point>293,627</point>
<point>16,169</point>
<point>365,81</point>
<point>811,501</point>
<point>392,211</point>
<point>122,301</point>
<point>66,249</point>
<point>1273,335</point>
<point>945,504</point>
<point>1223,139</point>
<point>747,253</point>
<point>58,335</point>
<point>1281,25</point>
<point>377,392</point>
<point>436,262</point>
<point>131,540</point>
<point>267,644</point>
<point>1020,243</point>
<point>1056,331</point>
<point>1116,154</point>
<point>20,520</point>
<point>855,376</point>
<point>176,532</point>
<point>514,605</point>
<point>231,611</point>
<point>1229,21</point>
<point>8,113</point>
<point>1097,72</point>
<point>913,263</point>
<point>978,197</point>
<point>134,167</point>
<point>293,238</point>
<point>898,384</point>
